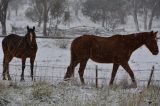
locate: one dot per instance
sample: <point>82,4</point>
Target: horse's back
<point>89,40</point>
<point>99,49</point>
<point>10,41</point>
<point>11,38</point>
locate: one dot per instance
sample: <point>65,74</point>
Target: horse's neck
<point>136,41</point>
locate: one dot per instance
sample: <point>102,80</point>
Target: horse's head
<point>31,36</point>
<point>151,42</point>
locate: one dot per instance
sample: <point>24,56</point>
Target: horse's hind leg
<point>6,61</point>
<point>5,67</point>
<point>23,67</point>
<point>81,70</point>
<point>70,69</point>
<point>130,72</point>
<point>114,71</point>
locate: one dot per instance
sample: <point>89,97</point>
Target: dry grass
<point>71,93</point>
<point>3,96</point>
<point>41,91</point>
<point>146,97</point>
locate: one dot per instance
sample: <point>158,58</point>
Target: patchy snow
<point>51,63</point>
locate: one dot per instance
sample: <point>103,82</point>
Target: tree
<point>3,13</point>
<point>42,10</point>
<point>109,12</point>
<point>135,9</point>
<point>76,5</point>
<point>45,17</point>
<point>37,6</point>
<point>154,9</point>
<point>15,5</point>
<point>30,13</point>
<point>57,10</point>
<point>148,8</point>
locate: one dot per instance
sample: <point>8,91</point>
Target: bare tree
<point>145,13</point>
<point>153,11</point>
<point>39,12</point>
<point>42,10</point>
<point>57,10</point>
<point>37,5</point>
<point>3,13</point>
<point>148,9</point>
<point>47,4</point>
<point>135,9</point>
<point>109,12</point>
<point>15,5</point>
<point>76,5</point>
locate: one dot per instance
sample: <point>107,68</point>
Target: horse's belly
<point>102,59</point>
<point>23,54</point>
<point>109,58</point>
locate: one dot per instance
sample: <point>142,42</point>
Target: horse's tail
<point>73,56</point>
<point>70,71</point>
<point>73,62</point>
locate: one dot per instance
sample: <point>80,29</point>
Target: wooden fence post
<point>150,78</point>
<point>96,76</point>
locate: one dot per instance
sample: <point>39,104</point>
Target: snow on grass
<point>72,94</point>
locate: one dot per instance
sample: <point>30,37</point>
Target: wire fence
<point>55,73</point>
<point>93,75</point>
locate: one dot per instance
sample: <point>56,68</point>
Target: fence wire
<point>55,74</point>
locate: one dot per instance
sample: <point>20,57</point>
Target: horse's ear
<point>34,28</point>
<point>151,32</point>
<point>28,28</point>
<point>155,32</point>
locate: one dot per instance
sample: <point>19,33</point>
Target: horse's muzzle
<point>156,52</point>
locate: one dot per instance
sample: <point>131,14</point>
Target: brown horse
<point>116,49</point>
<point>20,47</point>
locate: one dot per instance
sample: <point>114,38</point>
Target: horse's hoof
<point>4,78</point>
<point>66,79</point>
<point>83,83</point>
<point>134,85</point>
<point>22,80</point>
<point>111,84</point>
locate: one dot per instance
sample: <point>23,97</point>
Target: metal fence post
<point>150,78</point>
<point>96,76</point>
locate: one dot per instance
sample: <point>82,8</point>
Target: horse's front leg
<point>130,72</point>
<point>5,68</point>
<point>114,71</point>
<point>23,67</point>
<point>32,66</point>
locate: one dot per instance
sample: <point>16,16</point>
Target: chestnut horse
<point>116,49</point>
<point>20,47</point>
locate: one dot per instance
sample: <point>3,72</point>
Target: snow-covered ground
<point>50,67</point>
<point>51,63</point>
